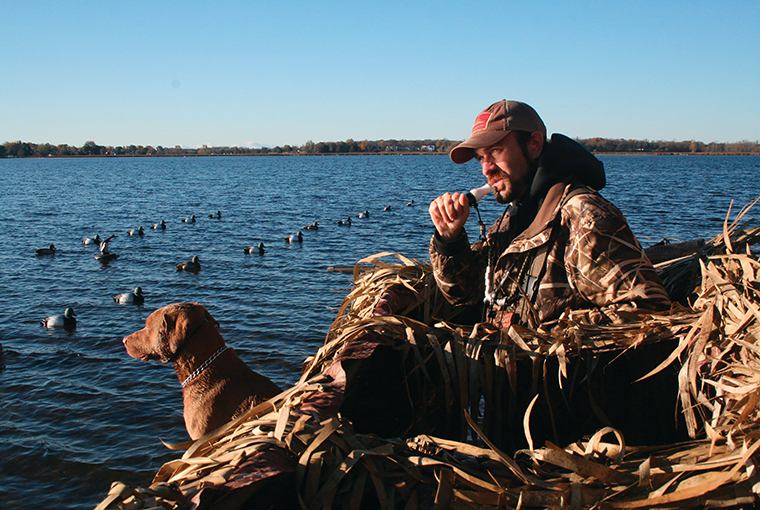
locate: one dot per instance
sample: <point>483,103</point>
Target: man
<point>559,245</point>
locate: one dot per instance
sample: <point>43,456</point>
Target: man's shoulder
<point>585,204</point>
<point>580,192</point>
<point>576,194</point>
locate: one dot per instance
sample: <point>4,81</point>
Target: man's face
<point>505,167</point>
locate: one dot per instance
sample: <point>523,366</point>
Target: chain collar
<point>204,365</point>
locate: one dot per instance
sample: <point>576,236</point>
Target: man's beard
<point>515,193</point>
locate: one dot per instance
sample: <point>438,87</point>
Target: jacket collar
<point>539,230</point>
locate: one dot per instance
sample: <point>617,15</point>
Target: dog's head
<point>166,331</point>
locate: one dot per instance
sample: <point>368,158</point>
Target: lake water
<point>78,413</point>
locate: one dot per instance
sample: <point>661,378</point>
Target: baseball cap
<point>493,124</point>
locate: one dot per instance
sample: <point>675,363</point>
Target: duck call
<point>475,195</point>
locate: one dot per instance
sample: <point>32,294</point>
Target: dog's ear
<point>181,324</point>
<point>167,337</point>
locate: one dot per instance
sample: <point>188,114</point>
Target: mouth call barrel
<point>475,195</point>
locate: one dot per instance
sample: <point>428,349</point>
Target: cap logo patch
<point>481,121</point>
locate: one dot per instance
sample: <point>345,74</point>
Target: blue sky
<point>284,72</point>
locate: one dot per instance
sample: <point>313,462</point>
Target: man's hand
<point>449,213</point>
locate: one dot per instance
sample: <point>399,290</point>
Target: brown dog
<point>217,386</point>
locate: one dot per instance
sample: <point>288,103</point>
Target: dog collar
<point>204,365</point>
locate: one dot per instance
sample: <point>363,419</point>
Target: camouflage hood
<point>565,160</point>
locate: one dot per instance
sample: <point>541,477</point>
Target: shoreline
<point>404,153</point>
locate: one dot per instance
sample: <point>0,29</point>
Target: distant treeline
<point>21,149</point>
<point>26,149</point>
<point>601,145</point>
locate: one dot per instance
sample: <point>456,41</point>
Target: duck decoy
<point>91,240</point>
<point>191,219</point>
<point>313,226</point>
<point>66,320</point>
<point>159,226</point>
<point>193,266</point>
<point>345,223</point>
<point>104,244</point>
<point>135,297</point>
<point>106,257</point>
<point>139,231</point>
<point>105,254</point>
<point>217,215</point>
<point>364,214</point>
<point>253,249</point>
<point>50,250</point>
<point>387,208</point>
<point>295,238</point>
<point>409,204</point>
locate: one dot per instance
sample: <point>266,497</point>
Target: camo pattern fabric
<point>584,256</point>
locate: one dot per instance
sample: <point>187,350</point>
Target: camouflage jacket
<point>577,252</point>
